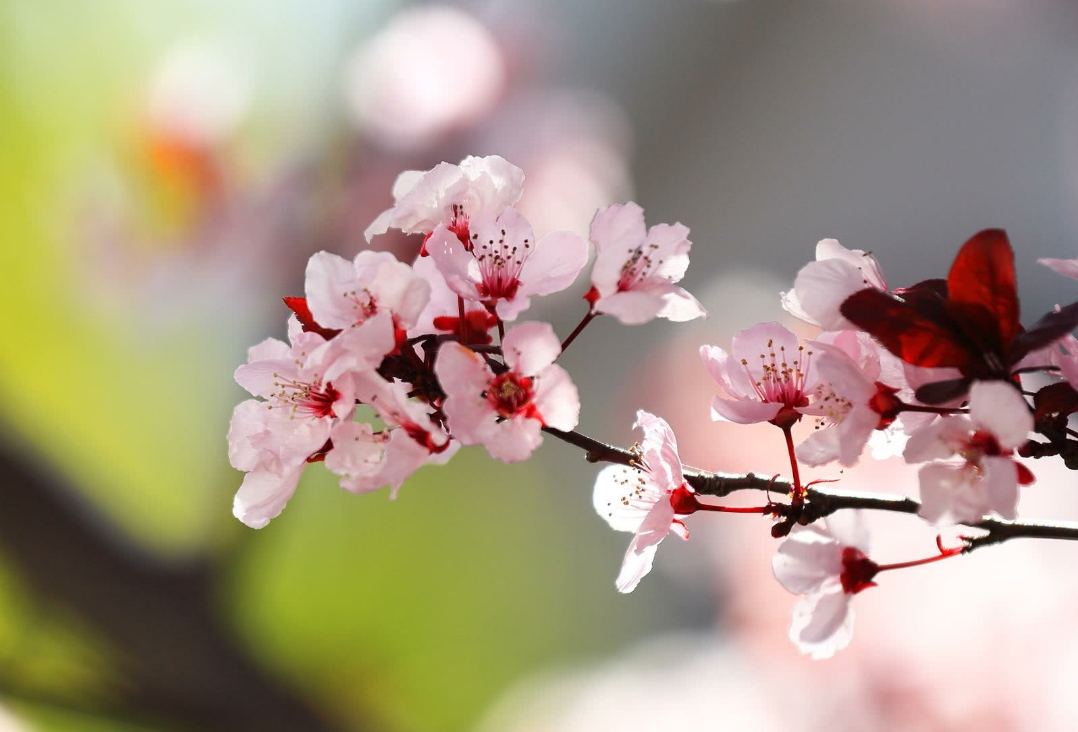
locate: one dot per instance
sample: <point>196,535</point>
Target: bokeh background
<point>165,170</point>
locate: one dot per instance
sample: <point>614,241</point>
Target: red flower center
<point>857,571</point>
<point>510,395</point>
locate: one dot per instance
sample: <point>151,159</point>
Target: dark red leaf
<point>1048,329</point>
<point>918,332</point>
<point>1059,399</point>
<point>939,392</point>
<point>983,274</point>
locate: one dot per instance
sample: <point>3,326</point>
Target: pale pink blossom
<point>1065,267</point>
<point>766,376</point>
<point>409,440</point>
<point>642,499</point>
<point>506,412</point>
<point>850,402</point>
<point>343,294</point>
<point>636,268</point>
<point>502,265</point>
<point>821,286</point>
<point>983,478</point>
<point>826,562</point>
<point>304,399</point>
<point>450,195</point>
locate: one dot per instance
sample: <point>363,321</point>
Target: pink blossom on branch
<point>273,439</point>
<point>502,265</point>
<point>645,500</point>
<point>849,402</point>
<point>822,286</point>
<point>450,195</point>
<point>343,294</point>
<point>636,268</point>
<point>984,478</point>
<point>766,376</point>
<point>505,412</point>
<point>826,562</point>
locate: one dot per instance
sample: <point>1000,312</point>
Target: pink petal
<point>1065,267</point>
<point>659,448</point>
<point>329,279</point>
<point>264,493</point>
<point>557,399</point>
<point>531,347</point>
<point>456,264</point>
<point>743,411</point>
<point>512,440</point>
<point>822,622</point>
<point>806,559</point>
<point>624,496</point>
<point>615,231</point>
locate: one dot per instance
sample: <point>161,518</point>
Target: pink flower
<point>826,562</point>
<point>766,377</point>
<point>985,479</point>
<point>368,460</point>
<point>506,412</point>
<point>502,265</point>
<point>343,294</point>
<point>305,398</point>
<point>645,500</point>
<point>849,402</point>
<point>451,195</point>
<point>823,285</point>
<point>1065,267</point>
<point>636,268</point>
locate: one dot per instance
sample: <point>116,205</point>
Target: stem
<point>763,510</point>
<point>918,562</point>
<point>576,331</point>
<point>816,503</point>
<point>463,321</point>
<point>797,493</point>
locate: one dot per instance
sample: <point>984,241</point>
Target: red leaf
<point>983,274</point>
<point>910,330</point>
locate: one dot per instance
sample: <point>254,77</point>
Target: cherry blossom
<point>274,438</point>
<point>505,412</point>
<point>502,265</point>
<point>451,195</point>
<point>822,286</point>
<point>985,480</point>
<point>645,499</point>
<point>849,402</point>
<point>636,268</point>
<point>343,294</point>
<point>766,377</point>
<point>410,439</point>
<point>828,563</point>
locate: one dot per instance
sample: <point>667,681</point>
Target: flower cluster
<point>435,354</point>
<point>430,347</point>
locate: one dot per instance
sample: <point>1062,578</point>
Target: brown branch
<point>819,504</point>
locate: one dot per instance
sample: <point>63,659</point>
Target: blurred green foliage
<point>416,613</point>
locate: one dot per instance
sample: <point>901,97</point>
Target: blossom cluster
<point>414,343</point>
<point>393,365</point>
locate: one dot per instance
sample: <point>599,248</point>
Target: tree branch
<point>819,504</point>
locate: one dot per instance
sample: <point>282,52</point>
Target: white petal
<point>822,622</point>
<point>999,408</point>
